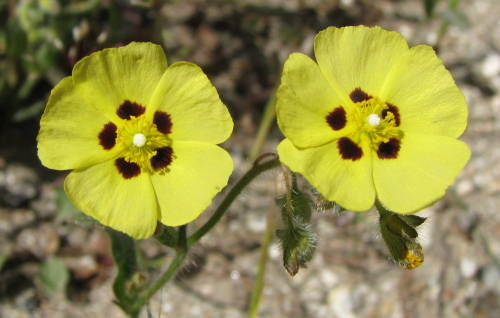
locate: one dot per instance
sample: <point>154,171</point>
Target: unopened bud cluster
<point>298,242</point>
<point>401,237</point>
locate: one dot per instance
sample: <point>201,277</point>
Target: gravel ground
<point>350,275</point>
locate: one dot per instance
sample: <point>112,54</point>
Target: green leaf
<point>456,18</point>
<point>452,4</point>
<point>167,235</point>
<point>66,211</point>
<point>53,276</point>
<point>85,220</point>
<point>80,7</point>
<point>412,220</point>
<point>31,111</point>
<point>301,204</point>
<point>125,256</point>
<point>28,84</point>
<point>3,259</point>
<point>401,237</point>
<point>398,227</point>
<point>429,6</point>
<point>298,244</point>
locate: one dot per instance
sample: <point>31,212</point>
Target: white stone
<point>491,66</point>
<point>465,187</point>
<point>468,267</point>
<point>235,275</point>
<point>341,303</point>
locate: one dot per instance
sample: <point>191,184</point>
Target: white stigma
<point>373,120</point>
<point>139,140</point>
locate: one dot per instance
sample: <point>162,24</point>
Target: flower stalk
<point>131,300</point>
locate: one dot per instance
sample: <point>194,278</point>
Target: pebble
<point>45,205</point>
<point>464,187</point>
<point>341,303</point>
<point>13,220</point>
<point>20,184</point>
<point>468,267</point>
<point>82,267</point>
<point>256,222</point>
<point>490,67</point>
<point>41,241</point>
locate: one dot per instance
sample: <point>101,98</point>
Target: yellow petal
<point>305,99</point>
<point>425,167</point>
<point>358,56</point>
<point>69,130</point>
<point>127,205</point>
<point>197,173</point>
<point>347,182</point>
<point>195,109</point>
<point>428,99</point>
<point>107,78</point>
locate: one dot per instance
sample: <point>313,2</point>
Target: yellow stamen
<point>372,125</point>
<point>135,149</point>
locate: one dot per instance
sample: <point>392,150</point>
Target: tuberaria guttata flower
<point>140,138</point>
<point>373,118</point>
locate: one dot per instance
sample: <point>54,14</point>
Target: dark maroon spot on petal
<point>349,150</point>
<point>395,111</point>
<point>357,95</point>
<point>127,169</point>
<point>163,122</point>
<point>107,136</point>
<point>128,109</point>
<point>163,158</point>
<point>389,150</point>
<point>337,118</point>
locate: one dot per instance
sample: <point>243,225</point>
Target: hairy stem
<point>263,163</point>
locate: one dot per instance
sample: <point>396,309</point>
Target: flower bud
<point>298,244</point>
<point>400,236</point>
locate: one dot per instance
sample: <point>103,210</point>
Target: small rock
<point>464,187</point>
<point>77,236</point>
<point>83,266</point>
<point>13,220</point>
<point>341,302</point>
<point>21,218</point>
<point>45,205</point>
<point>468,267</point>
<point>329,278</point>
<point>177,13</point>
<point>490,67</point>
<point>256,222</point>
<point>41,241</point>
<point>20,184</point>
<point>27,300</point>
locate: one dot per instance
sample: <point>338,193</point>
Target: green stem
<point>180,255</point>
<point>263,163</point>
<point>381,210</point>
<point>265,124</point>
<point>171,271</point>
<point>182,243</point>
<point>287,175</point>
<point>258,167</point>
<point>259,279</point>
<point>168,236</point>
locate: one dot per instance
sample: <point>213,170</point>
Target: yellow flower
<point>140,137</point>
<point>372,119</point>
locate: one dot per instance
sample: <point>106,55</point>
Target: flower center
<point>140,139</point>
<point>375,122</point>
